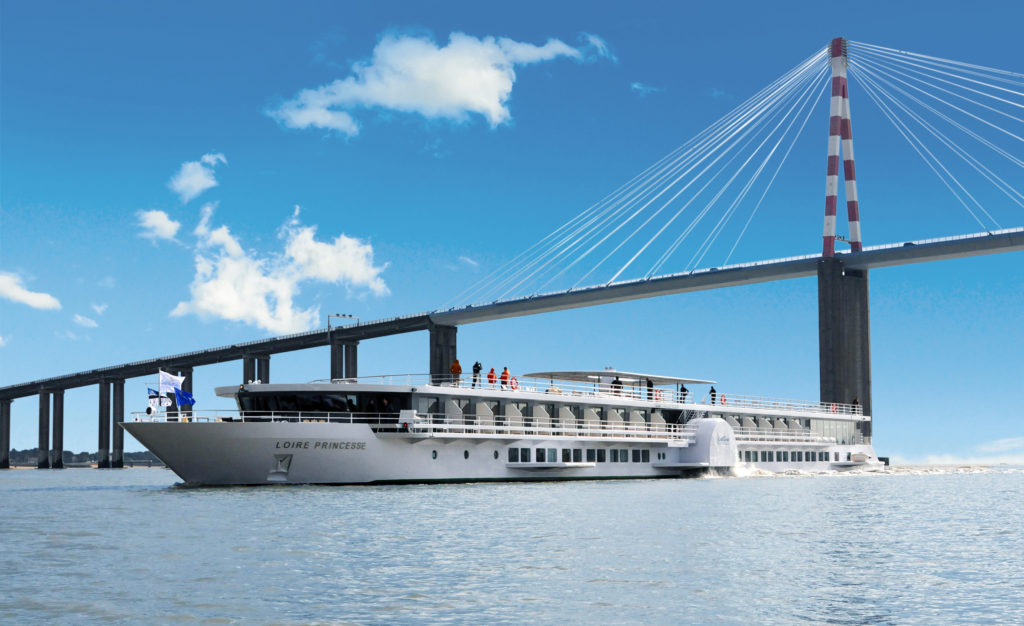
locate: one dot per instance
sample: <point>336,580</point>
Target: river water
<point>911,545</point>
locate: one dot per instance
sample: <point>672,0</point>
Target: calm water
<point>909,546</point>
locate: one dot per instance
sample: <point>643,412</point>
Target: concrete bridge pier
<point>43,460</point>
<point>344,359</point>
<point>117,455</point>
<point>844,335</point>
<point>57,449</point>
<point>103,448</point>
<point>442,351</point>
<point>248,369</point>
<point>5,434</point>
<point>262,368</point>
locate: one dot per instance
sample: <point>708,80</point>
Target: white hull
<point>296,452</point>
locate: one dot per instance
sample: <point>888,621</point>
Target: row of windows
<point>785,456</point>
<point>575,455</point>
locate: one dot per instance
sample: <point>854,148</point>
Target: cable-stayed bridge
<point>936,105</point>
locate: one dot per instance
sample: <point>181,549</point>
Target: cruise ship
<point>567,425</point>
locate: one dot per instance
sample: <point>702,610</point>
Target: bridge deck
<point>1008,240</point>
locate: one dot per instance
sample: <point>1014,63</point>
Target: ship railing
<point>749,435</point>
<point>605,389</point>
<point>434,424</point>
<point>441,423</point>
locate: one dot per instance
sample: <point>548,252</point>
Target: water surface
<point>906,546</point>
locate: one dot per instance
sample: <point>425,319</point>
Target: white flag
<point>170,382</point>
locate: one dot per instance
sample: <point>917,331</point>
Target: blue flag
<point>153,393</point>
<point>184,397</point>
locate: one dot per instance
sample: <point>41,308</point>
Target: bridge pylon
<point>840,141</point>
<point>844,337</point>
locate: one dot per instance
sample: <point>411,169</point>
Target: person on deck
<point>477,368</point>
<point>456,371</point>
<point>616,386</point>
<point>504,378</point>
<point>650,389</point>
<point>682,392</point>
<point>492,377</point>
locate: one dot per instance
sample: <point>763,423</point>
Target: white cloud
<point>599,46</point>
<point>12,289</point>
<point>157,225</point>
<point>469,261</point>
<point>99,308</point>
<point>238,285</point>
<point>414,75</point>
<point>3,342</point>
<point>84,321</point>
<point>195,177</point>
<point>107,282</point>
<point>643,89</point>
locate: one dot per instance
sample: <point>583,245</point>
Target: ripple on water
<point>901,545</point>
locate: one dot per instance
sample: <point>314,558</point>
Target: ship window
<point>566,455</point>
<point>524,455</point>
<point>495,455</point>
<point>465,454</point>
<point>797,456</point>
<point>623,456</point>
<point>601,455</point>
<point>614,455</point>
<point>636,456</point>
<point>771,456</point>
<point>540,455</point>
<point>577,455</point>
<point>591,455</point>
<point>552,455</point>
<point>645,456</point>
<point>764,456</point>
<point>513,455</point>
<point>433,454</point>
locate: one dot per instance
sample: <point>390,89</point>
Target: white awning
<point>627,378</point>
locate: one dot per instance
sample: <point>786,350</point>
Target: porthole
<point>465,454</point>
<point>495,455</point>
<point>433,454</point>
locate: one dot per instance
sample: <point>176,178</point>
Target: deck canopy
<point>626,378</point>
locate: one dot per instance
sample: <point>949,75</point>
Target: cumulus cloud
<point>244,286</point>
<point>195,177</point>
<point>157,225</point>
<point>84,321</point>
<point>413,74</point>
<point>12,289</point>
<point>99,308</point>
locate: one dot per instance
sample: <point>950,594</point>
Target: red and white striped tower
<point>840,134</point>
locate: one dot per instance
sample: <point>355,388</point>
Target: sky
<point>182,175</point>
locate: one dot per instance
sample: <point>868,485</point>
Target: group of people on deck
<point>492,378</point>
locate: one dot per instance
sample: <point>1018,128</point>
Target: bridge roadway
<point>1008,240</point>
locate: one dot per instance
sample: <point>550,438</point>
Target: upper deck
<point>552,390</point>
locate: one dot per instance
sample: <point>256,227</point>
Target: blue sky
<point>175,176</point>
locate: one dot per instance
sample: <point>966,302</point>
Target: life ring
<point>833,407</point>
<point>657,394</point>
<point>721,400</point>
<point>514,383</point>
